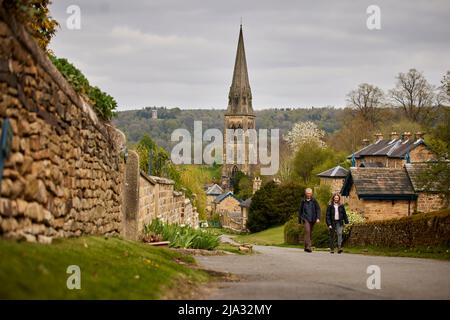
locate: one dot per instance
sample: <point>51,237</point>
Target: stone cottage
<point>379,193</point>
<point>427,199</point>
<point>334,178</point>
<point>245,208</point>
<point>212,192</point>
<point>394,152</point>
<point>229,210</point>
<point>385,193</point>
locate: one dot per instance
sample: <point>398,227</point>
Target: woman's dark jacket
<point>311,217</point>
<point>330,214</point>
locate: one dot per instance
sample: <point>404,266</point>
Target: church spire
<point>240,96</point>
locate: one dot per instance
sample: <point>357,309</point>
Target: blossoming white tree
<point>304,132</point>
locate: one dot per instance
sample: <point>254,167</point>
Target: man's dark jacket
<point>330,214</point>
<point>302,215</point>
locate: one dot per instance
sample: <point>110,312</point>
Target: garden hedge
<point>423,229</point>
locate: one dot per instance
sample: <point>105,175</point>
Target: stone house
<point>334,178</point>
<point>379,193</point>
<point>427,199</point>
<point>385,193</point>
<point>394,152</point>
<point>229,210</point>
<point>245,208</point>
<point>212,192</point>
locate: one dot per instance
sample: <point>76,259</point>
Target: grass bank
<point>270,237</point>
<point>110,269</point>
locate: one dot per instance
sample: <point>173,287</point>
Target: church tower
<point>239,115</point>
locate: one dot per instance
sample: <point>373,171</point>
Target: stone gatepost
<point>130,206</point>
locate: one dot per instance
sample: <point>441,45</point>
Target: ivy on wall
<point>103,104</point>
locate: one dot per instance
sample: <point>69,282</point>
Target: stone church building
<point>239,115</point>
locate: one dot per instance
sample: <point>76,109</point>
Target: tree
<point>310,159</point>
<point>413,94</point>
<point>350,137</point>
<point>366,100</point>
<point>443,96</point>
<point>273,205</point>
<point>436,175</point>
<point>235,181</point>
<point>261,212</point>
<point>245,188</point>
<point>302,132</point>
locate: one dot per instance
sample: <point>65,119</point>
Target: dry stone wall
<point>64,173</point>
<point>150,197</point>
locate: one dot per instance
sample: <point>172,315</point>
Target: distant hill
<point>135,123</point>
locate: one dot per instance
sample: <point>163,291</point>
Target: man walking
<point>309,214</point>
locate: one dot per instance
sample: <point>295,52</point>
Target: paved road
<point>289,273</point>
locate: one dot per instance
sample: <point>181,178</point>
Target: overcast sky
<point>180,53</point>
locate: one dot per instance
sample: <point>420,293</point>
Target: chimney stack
<point>394,135</point>
<point>378,136</point>
<point>419,135</point>
<point>366,142</point>
<point>407,135</point>
<point>256,184</point>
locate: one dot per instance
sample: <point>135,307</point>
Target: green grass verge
<point>270,237</point>
<point>274,236</point>
<point>110,269</point>
<point>440,253</point>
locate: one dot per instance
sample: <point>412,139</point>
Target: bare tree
<point>413,94</point>
<point>443,96</point>
<point>366,100</point>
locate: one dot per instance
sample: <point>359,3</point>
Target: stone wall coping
<point>41,59</point>
<point>162,180</point>
<point>147,177</point>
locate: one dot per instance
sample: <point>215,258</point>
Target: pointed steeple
<point>240,96</point>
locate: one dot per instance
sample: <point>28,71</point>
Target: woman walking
<point>336,218</point>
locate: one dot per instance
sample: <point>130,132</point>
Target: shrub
<point>321,235</point>
<point>183,236</point>
<point>36,17</point>
<point>102,103</point>
<point>424,229</point>
<point>273,205</point>
<point>294,233</point>
<point>353,218</point>
<point>323,196</point>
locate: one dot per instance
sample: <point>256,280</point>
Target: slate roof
<point>336,172</point>
<point>223,196</point>
<point>379,183</point>
<point>214,190</point>
<point>414,172</point>
<point>396,148</point>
